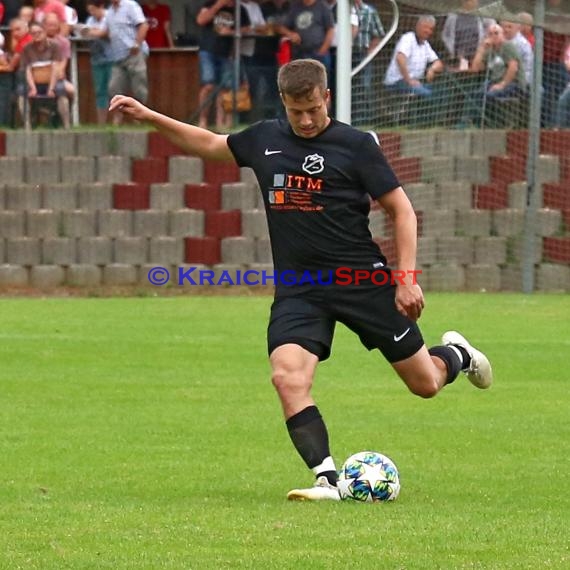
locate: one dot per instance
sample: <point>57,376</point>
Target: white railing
<point>344,71</point>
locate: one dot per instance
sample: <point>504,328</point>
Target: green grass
<point>144,433</point>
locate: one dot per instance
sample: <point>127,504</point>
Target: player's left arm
<point>409,296</point>
<point>191,139</point>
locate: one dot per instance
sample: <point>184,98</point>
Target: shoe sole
<point>296,496</point>
<point>302,495</point>
<point>484,378</point>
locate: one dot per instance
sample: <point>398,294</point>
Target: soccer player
<point>316,175</point>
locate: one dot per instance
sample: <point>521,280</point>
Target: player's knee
<point>424,388</point>
<point>286,380</point>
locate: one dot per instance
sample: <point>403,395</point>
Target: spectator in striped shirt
<point>126,29</point>
<point>370,32</point>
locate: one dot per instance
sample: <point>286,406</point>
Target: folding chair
<point>41,109</point>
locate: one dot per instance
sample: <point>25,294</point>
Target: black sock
<point>332,476</point>
<point>451,360</point>
<point>309,435</point>
<point>465,355</point>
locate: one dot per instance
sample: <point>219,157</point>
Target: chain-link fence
<point>472,100</point>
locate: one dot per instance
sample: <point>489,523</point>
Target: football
<point>370,477</point>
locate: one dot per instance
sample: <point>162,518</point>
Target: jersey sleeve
<point>375,173</point>
<point>511,53</point>
<point>242,143</point>
<point>137,16</point>
<point>328,19</point>
<point>404,45</point>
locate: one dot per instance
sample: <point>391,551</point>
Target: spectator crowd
<point>441,61</point>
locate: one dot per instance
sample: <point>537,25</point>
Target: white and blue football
<point>370,477</point>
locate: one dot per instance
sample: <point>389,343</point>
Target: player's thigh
<point>370,311</point>
<point>297,321</point>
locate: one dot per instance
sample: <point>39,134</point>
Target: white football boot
<point>322,490</point>
<point>479,372</point>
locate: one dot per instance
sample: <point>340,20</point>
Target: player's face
<point>308,116</point>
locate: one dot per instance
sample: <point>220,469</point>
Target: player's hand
<point>129,107</point>
<point>410,300</point>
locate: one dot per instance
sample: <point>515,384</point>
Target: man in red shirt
<point>44,7</point>
<point>158,18</point>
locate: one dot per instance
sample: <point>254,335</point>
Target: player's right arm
<point>189,138</point>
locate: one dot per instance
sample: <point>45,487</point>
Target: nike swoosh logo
<point>399,338</point>
<point>268,152</point>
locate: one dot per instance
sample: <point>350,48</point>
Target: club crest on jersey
<point>314,163</point>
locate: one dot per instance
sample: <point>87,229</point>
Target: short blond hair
<point>298,78</point>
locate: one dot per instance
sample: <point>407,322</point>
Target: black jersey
<point>316,193</point>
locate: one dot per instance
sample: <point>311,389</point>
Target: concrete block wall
<point>92,208</point>
<point>469,191</point>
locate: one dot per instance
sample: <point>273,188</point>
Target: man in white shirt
<point>414,61</point>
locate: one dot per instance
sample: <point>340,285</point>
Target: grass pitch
<point>144,434</point>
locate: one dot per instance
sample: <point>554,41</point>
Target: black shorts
<point>309,319</point>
